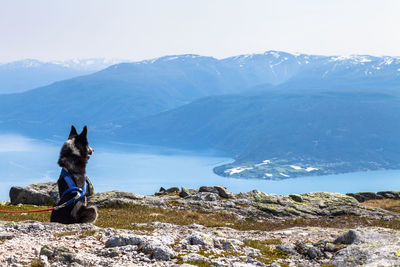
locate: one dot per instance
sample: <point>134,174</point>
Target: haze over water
<point>24,161</point>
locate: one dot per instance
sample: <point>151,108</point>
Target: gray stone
<point>6,236</point>
<point>364,196</point>
<point>172,190</point>
<point>347,238</point>
<point>208,189</point>
<point>223,192</point>
<point>204,240</point>
<point>330,247</point>
<point>184,192</point>
<point>203,196</point>
<point>124,240</point>
<point>389,194</point>
<point>288,248</point>
<point>35,194</point>
<point>372,247</point>
<point>58,253</point>
<point>314,253</point>
<point>157,250</point>
<point>113,199</point>
<point>296,198</point>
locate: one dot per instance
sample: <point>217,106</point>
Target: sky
<point>137,30</point>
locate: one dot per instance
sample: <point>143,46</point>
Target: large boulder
<point>364,196</point>
<point>313,204</point>
<point>35,194</point>
<point>113,199</point>
<point>47,194</point>
<point>368,247</point>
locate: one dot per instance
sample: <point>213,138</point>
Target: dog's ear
<point>84,132</point>
<point>73,132</point>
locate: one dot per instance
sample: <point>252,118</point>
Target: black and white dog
<point>73,185</point>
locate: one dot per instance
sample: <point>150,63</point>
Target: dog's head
<point>77,144</point>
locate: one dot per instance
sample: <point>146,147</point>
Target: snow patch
<point>296,167</point>
<point>285,175</point>
<point>265,162</point>
<point>310,169</point>
<point>236,170</point>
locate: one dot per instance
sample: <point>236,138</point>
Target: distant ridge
<point>23,75</point>
<point>314,110</point>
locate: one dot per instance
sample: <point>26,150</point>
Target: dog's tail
<point>87,214</point>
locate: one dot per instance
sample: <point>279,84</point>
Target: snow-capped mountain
<point>22,75</point>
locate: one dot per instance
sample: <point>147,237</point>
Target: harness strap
<point>72,188</point>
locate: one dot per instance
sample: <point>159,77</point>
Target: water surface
<point>24,161</point>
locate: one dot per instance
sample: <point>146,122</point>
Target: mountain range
<point>23,75</point>
<point>307,109</point>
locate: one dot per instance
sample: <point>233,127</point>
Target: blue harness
<point>72,188</point>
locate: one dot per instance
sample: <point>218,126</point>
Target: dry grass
<point>387,204</point>
<point>127,217</point>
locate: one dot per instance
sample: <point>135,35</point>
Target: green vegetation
<point>36,263</point>
<point>269,255</point>
<point>132,216</point>
<point>387,204</point>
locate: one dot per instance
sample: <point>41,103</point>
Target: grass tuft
<point>387,204</point>
<point>269,255</point>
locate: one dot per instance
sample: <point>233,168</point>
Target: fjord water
<point>144,170</point>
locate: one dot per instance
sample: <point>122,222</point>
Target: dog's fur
<point>74,156</point>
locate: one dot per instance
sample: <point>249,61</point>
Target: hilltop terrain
<point>209,226</point>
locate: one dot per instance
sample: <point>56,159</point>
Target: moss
<point>211,254</point>
<point>36,263</point>
<point>397,253</point>
<point>269,255</point>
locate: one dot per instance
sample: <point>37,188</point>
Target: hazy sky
<point>133,29</point>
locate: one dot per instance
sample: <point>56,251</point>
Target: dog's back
<point>73,159</point>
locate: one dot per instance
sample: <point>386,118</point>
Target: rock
<point>288,248</point>
<point>156,247</point>
<point>161,192</point>
<point>364,196</point>
<point>201,239</point>
<point>172,190</point>
<point>227,244</point>
<point>58,253</point>
<point>369,247</point>
<point>35,194</point>
<point>314,253</point>
<point>313,204</point>
<point>6,236</point>
<point>296,198</point>
<point>184,192</point>
<point>113,199</point>
<point>223,192</point>
<point>330,247</point>
<point>194,257</point>
<point>389,194</point>
<point>157,250</point>
<point>203,196</point>
<point>347,238</point>
<point>124,240</point>
<point>208,189</point>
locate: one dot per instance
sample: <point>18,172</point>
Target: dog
<point>73,185</point>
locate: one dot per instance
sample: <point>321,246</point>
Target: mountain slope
<point>122,93</point>
<point>352,128</point>
<point>27,74</point>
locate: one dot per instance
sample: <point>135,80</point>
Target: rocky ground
<point>48,244</point>
<point>156,243</point>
